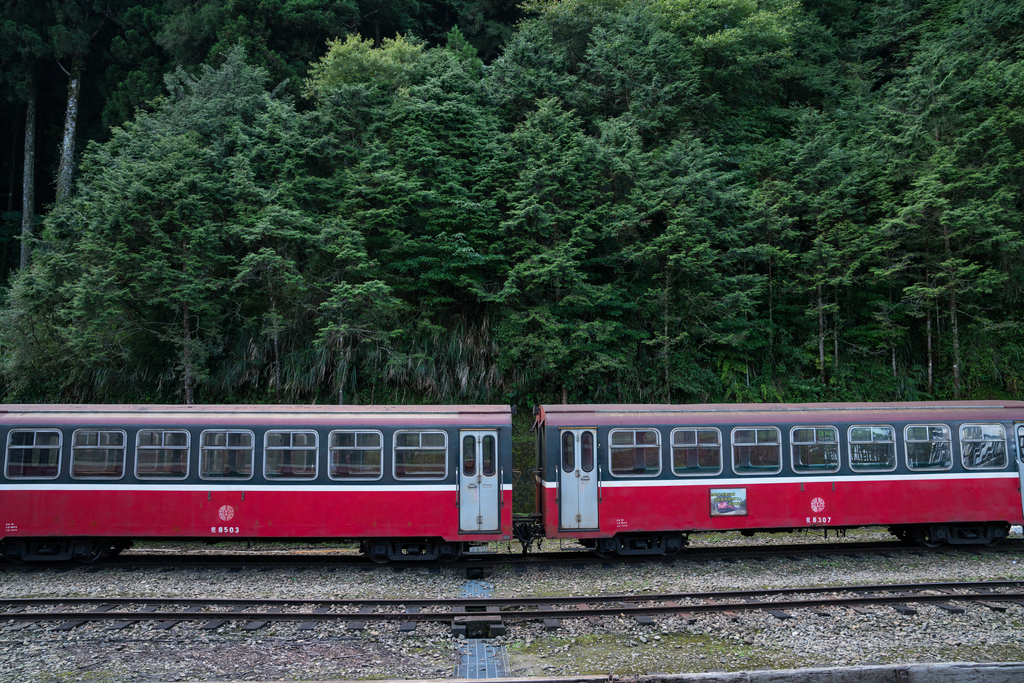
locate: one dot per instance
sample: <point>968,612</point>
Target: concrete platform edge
<point>954,672</point>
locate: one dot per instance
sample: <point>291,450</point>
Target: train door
<point>479,482</point>
<point>578,480</point>
<point>1020,461</point>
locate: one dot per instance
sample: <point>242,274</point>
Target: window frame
<point>331,449</point>
<point>316,454</point>
<point>395,448</point>
<point>732,449</point>
<point>7,452</point>
<point>808,469</point>
<point>1006,449</point>
<point>226,431</point>
<point>124,449</point>
<point>672,447</point>
<point>187,448</point>
<point>645,474</point>
<point>850,444</point>
<point>907,442</point>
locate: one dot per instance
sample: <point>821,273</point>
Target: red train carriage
<point>637,479</point>
<point>409,482</point>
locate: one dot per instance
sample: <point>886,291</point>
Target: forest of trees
<point>464,201</point>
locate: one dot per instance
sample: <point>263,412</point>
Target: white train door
<point>577,480</point>
<point>479,482</point>
<point>1020,461</point>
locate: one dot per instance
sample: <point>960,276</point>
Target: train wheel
<point>93,554</point>
<point>605,548</point>
<point>449,552</point>
<point>926,537</point>
<point>376,551</point>
<point>672,543</point>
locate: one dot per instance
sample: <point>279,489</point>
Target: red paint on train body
<point>219,514</point>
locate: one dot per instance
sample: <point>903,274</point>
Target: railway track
<point>315,559</point>
<point>486,616</point>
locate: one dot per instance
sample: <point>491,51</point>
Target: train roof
<point>763,413</point>
<point>234,415</point>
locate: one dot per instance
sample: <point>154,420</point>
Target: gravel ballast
<point>618,645</point>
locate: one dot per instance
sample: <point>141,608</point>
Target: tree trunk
<point>67,148</point>
<point>821,334</point>
<point>956,344</point>
<point>186,361</point>
<point>953,315</point>
<point>930,357</point>
<point>664,317</point>
<point>28,176</point>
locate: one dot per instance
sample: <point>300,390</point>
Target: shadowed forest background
<point>466,201</point>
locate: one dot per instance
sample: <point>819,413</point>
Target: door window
<point>568,451</point>
<point>468,456</point>
<point>587,451</point>
<point>489,460</point>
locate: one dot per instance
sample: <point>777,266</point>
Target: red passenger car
<point>408,482</point>
<point>637,479</point>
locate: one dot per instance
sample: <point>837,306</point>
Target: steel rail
<point>625,605</point>
<point>311,560</point>
<point>599,598</point>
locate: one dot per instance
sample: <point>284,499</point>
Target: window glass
<point>568,451</point>
<point>696,452</point>
<point>226,454</point>
<point>872,448</point>
<point>490,463</point>
<point>161,454</point>
<point>421,455</point>
<point>468,456</point>
<point>587,451</point>
<point>815,449</point>
<point>928,447</point>
<point>635,452</point>
<point>356,455</point>
<point>290,455</point>
<point>97,454</point>
<point>32,453</point>
<point>983,447</point>
<point>756,450</point>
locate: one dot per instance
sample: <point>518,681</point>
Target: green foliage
<point>677,200</point>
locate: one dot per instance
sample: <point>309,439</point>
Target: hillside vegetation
<point>629,201</point>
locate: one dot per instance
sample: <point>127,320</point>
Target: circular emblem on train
<point>226,512</point>
<point>818,504</point>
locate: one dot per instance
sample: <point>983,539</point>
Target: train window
<point>872,448</point>
<point>635,452</point>
<point>815,449</point>
<point>289,455</point>
<point>33,454</point>
<point>226,454</point>
<point>469,456</point>
<point>568,451</point>
<point>756,450</point>
<point>490,463</point>
<point>421,455</point>
<point>587,451</point>
<point>983,447</point>
<point>928,447</point>
<point>696,452</point>
<point>97,454</point>
<point>357,455</point>
<point>161,454</point>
